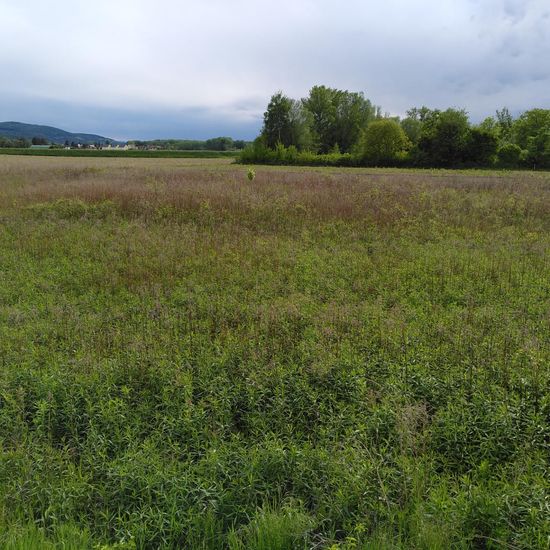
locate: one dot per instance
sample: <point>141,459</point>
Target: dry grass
<point>143,187</point>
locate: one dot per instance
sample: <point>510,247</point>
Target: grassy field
<point>116,153</point>
<point>344,359</point>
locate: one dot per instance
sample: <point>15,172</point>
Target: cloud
<point>127,123</point>
<point>218,62</point>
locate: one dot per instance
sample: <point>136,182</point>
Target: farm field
<point>115,153</point>
<point>319,358</point>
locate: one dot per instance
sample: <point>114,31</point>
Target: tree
<point>444,139</point>
<point>38,140</point>
<point>277,121</point>
<point>504,124</point>
<point>531,131</point>
<point>481,147</point>
<point>489,124</point>
<point>383,140</point>
<point>509,155</point>
<point>300,127</point>
<point>421,114</point>
<point>412,128</point>
<point>338,117</point>
<point>219,144</point>
<point>286,122</point>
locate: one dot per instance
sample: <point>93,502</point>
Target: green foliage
<point>219,144</point>
<point>510,155</point>
<point>481,147</point>
<point>444,139</point>
<point>285,529</point>
<point>29,537</point>
<point>258,153</point>
<point>382,142</point>
<point>14,143</point>
<point>286,123</point>
<point>532,133</point>
<point>504,124</point>
<point>346,129</point>
<point>338,117</point>
<point>412,128</point>
<point>38,140</point>
<point>110,153</point>
<point>331,359</point>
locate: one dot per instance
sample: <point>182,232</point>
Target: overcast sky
<point>203,68</point>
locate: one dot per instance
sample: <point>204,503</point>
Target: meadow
<point>318,358</point>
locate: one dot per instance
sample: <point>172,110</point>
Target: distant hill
<point>15,130</point>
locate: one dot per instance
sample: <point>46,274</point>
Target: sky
<point>136,69</point>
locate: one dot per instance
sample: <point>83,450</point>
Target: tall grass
<point>314,359</point>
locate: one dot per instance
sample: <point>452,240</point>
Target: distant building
<point>111,147</point>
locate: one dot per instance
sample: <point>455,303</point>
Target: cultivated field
<point>117,153</point>
<point>315,359</point>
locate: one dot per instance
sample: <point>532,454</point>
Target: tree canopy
<point>382,142</point>
<point>338,126</point>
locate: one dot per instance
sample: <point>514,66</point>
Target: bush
<point>510,155</point>
<point>382,142</point>
<point>259,153</point>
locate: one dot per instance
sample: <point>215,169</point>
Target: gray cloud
<point>134,68</point>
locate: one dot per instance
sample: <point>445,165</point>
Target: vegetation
<point>49,134</point>
<point>353,132</point>
<point>312,359</point>
<point>18,143</point>
<point>213,144</point>
<point>130,153</point>
<point>382,142</point>
<point>20,135</point>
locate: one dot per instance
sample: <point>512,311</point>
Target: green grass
<point>328,359</point>
<point>131,153</point>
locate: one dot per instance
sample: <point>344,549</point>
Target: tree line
<point>19,143</point>
<point>223,143</point>
<point>214,144</point>
<point>338,127</point>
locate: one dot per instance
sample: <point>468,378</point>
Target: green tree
<point>219,144</point>
<point>504,124</point>
<point>301,123</point>
<point>481,147</point>
<point>38,140</point>
<point>277,121</point>
<point>421,114</point>
<point>338,117</point>
<point>489,124</point>
<point>509,155</point>
<point>412,128</point>
<point>286,122</point>
<point>383,140</point>
<point>531,131</point>
<point>445,138</point>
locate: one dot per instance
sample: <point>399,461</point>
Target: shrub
<point>382,142</point>
<point>509,155</point>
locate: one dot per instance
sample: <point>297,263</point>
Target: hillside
<point>53,135</point>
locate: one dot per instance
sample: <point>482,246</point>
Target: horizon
<point>85,131</point>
